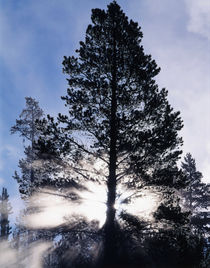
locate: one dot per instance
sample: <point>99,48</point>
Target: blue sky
<point>36,34</point>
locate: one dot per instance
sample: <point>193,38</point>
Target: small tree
<point>26,127</point>
<point>196,194</point>
<point>194,191</point>
<point>5,211</point>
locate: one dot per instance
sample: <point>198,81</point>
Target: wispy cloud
<point>199,17</point>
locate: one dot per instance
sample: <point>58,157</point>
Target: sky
<point>36,34</point>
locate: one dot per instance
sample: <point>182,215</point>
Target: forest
<point>103,184</point>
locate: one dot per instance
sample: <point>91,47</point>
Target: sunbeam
<point>51,208</point>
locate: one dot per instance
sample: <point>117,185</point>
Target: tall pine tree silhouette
<point>114,100</point>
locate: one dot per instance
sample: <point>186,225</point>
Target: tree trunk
<point>109,228</point>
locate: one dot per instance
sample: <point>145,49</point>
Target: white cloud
<point>185,74</point>
<point>199,17</point>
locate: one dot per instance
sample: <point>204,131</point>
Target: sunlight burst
<point>54,209</point>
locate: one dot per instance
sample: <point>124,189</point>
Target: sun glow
<point>141,204</point>
<point>53,209</point>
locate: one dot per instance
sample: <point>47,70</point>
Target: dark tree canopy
<point>113,97</point>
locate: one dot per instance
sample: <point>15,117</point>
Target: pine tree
<point>5,211</point>
<point>115,106</point>
<point>26,127</point>
<point>193,177</point>
<point>196,195</point>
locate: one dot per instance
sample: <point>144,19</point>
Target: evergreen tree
<point>193,193</point>
<point>117,114</point>
<point>196,195</point>
<point>5,211</point>
<point>26,127</point>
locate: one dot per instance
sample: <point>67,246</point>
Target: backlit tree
<point>117,113</point>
